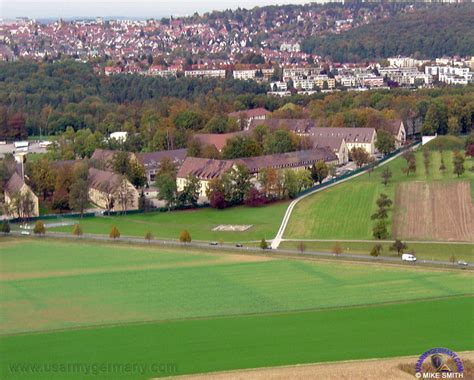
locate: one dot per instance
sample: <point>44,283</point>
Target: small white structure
<point>427,139</point>
<point>119,136</point>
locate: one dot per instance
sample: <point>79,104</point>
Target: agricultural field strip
<point>253,280</point>
<point>242,315</point>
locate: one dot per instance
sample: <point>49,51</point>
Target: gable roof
<point>103,155</point>
<point>218,140</point>
<point>350,135</point>
<point>393,126</point>
<point>104,180</point>
<point>332,142</point>
<point>14,184</point>
<point>204,168</point>
<point>152,160</point>
<point>301,158</point>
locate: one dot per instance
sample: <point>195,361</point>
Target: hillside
<point>425,33</point>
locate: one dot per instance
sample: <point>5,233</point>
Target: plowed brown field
<point>434,211</point>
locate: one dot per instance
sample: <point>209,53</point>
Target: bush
<point>185,236</point>
<point>5,227</point>
<point>77,230</point>
<point>376,249</point>
<point>148,236</point>
<point>39,228</point>
<point>263,244</point>
<point>114,233</point>
<point>337,249</point>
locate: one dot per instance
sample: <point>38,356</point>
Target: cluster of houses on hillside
<point>113,192</point>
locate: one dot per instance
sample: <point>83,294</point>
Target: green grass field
<point>50,284</point>
<point>343,212</point>
<point>168,225</point>
<point>425,251</point>
<point>102,303</point>
<point>194,346</point>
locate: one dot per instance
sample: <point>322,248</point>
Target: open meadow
<point>200,223</point>
<point>344,211</point>
<point>116,303</point>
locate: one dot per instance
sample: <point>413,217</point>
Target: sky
<point>124,8</point>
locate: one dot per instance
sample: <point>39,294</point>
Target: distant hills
<point>424,33</point>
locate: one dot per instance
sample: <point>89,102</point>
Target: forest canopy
<point>424,33</point>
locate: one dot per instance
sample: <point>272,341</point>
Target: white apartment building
<point>205,73</point>
<point>244,74</point>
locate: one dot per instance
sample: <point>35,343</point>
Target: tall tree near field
<point>380,230</point>
<point>360,156</point>
<point>458,163</point>
<point>263,244</point>
<point>385,142</point>
<point>185,236</point>
<point>167,189</point>
<point>42,176</point>
<point>319,171</point>
<point>39,228</point>
<point>398,246</point>
<point>442,166</point>
<point>426,160</point>
<point>454,127</point>
<point>376,250</point>
<point>77,230</point>
<point>114,233</point>
<point>79,196</point>
<point>386,175</point>
<point>410,158</point>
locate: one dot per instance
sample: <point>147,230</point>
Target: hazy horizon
<point>10,9</point>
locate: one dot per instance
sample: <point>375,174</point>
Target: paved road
<point>33,147</point>
<point>233,248</point>
<point>278,238</point>
<point>383,241</point>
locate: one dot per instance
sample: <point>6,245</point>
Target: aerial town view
<point>236,189</point>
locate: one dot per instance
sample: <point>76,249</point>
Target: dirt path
<point>375,369</point>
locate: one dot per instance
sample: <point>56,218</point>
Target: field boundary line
<point>242,315</point>
<point>278,238</point>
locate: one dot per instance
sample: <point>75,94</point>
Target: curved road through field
<point>279,236</point>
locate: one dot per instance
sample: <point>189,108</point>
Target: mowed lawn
<point>194,346</point>
<point>344,211</point>
<point>54,285</point>
<point>200,223</point>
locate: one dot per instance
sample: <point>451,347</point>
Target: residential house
<point>302,159</point>
<point>208,169</point>
<point>246,117</point>
<point>103,158</point>
<point>112,191</point>
<point>17,186</point>
<point>203,168</point>
<point>397,129</point>
<point>354,137</point>
<point>151,161</point>
<point>336,144</point>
